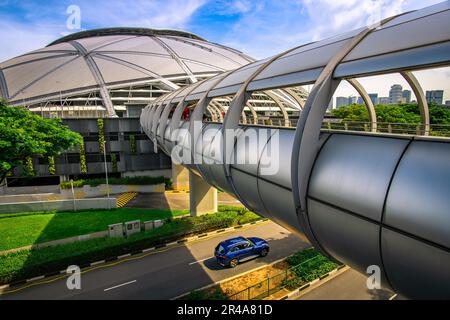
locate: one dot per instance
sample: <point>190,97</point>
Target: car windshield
<point>220,249</point>
<point>251,242</point>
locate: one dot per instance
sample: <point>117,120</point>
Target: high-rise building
<point>406,95</point>
<point>341,101</point>
<point>352,100</point>
<point>435,96</point>
<point>374,98</point>
<point>395,94</point>
<point>360,100</point>
<point>384,100</point>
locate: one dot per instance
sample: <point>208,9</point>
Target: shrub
<point>83,166</point>
<point>133,145</point>
<point>114,162</point>
<point>51,166</point>
<point>115,181</point>
<point>28,168</point>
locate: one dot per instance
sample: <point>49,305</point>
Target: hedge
<point>114,181</point>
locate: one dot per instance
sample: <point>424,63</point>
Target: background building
<point>384,100</point>
<point>352,100</point>
<point>406,96</point>
<point>395,94</point>
<point>341,101</point>
<point>374,98</point>
<point>436,96</point>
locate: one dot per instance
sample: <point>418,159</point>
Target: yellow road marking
<point>123,199</point>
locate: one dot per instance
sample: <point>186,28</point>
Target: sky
<point>260,28</point>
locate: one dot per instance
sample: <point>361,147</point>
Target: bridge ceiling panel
<point>398,36</point>
<point>304,59</point>
<point>238,77</point>
<point>436,54</point>
<point>181,93</point>
<point>296,78</point>
<point>203,87</point>
<point>196,67</point>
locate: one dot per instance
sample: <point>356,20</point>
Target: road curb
<point>110,259</point>
<point>311,283</point>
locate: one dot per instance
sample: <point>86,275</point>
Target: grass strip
<point>19,230</point>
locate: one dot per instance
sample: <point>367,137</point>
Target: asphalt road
<point>349,285</point>
<point>166,274</point>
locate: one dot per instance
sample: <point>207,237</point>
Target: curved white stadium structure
<point>109,72</point>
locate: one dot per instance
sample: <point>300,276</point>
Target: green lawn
<point>30,263</point>
<point>18,230</point>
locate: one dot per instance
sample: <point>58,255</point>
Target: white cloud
<point>331,17</point>
<point>140,13</point>
<point>19,37</point>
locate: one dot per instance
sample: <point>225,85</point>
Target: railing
<point>297,275</point>
<point>442,130</point>
<point>395,128</point>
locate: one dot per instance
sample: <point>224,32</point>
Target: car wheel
<point>264,252</point>
<point>234,263</point>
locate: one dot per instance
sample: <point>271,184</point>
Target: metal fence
<point>394,128</point>
<point>275,283</point>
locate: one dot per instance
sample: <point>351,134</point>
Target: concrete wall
<point>101,190</point>
<point>167,173</point>
<point>58,205</point>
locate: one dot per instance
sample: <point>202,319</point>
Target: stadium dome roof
<point>102,59</point>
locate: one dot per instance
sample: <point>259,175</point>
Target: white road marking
<point>120,285</point>
<point>199,261</point>
<point>393,297</point>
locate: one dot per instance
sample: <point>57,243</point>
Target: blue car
<point>232,251</point>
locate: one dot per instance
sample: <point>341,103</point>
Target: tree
<point>24,135</point>
<point>403,113</point>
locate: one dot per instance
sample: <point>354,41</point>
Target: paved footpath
<point>348,285</point>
